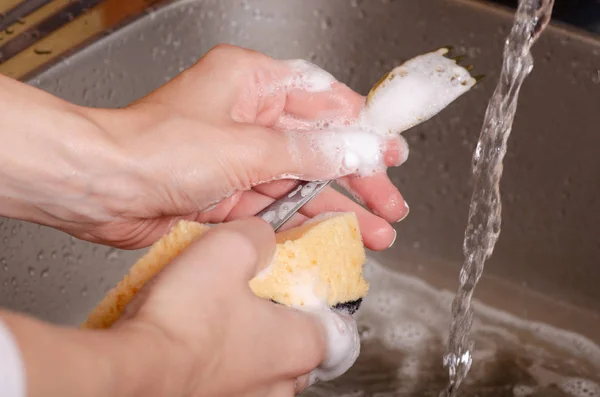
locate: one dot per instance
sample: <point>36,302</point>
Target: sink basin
<point>545,268</point>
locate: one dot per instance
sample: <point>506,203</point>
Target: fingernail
<point>302,383</point>
<point>406,214</point>
<point>394,239</point>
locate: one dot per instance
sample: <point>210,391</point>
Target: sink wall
<point>551,207</point>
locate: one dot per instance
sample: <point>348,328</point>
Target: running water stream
<point>483,227</point>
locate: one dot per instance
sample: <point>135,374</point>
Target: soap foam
<point>406,336</point>
<point>307,77</point>
<point>341,330</point>
<point>416,91</point>
<point>352,150</point>
<point>409,95</point>
<point>343,344</point>
<point>409,319</point>
<point>578,387</point>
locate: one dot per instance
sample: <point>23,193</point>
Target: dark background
<point>584,14</point>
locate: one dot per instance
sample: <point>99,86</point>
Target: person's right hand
<point>220,339</point>
<point>195,330</point>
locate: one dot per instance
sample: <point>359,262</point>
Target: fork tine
<point>458,59</point>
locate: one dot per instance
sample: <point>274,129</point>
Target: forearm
<point>66,362</point>
<point>56,164</point>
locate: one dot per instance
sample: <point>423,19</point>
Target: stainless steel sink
<point>546,266</point>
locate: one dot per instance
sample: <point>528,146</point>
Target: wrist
<point>57,165</point>
<point>153,365</point>
<point>59,361</point>
<point>125,361</point>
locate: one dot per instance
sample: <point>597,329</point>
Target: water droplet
<point>112,254</point>
<point>84,291</point>
<point>53,255</point>
<point>473,52</point>
<point>596,77</point>
<point>40,256</point>
<point>31,271</point>
<point>326,23</point>
<point>364,331</point>
<point>44,273</point>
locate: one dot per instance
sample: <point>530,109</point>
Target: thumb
<point>318,341</point>
<point>219,262</point>
<point>320,154</point>
<point>239,248</point>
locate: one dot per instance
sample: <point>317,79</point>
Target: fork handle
<point>282,209</point>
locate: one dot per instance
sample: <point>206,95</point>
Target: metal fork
<point>282,209</point>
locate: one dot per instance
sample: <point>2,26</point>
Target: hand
<point>219,142</point>
<point>230,342</point>
<point>196,329</point>
<point>214,136</point>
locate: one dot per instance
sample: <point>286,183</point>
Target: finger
<point>244,204</point>
<point>266,154</point>
<point>288,122</point>
<point>219,212</point>
<point>241,249</point>
<point>337,104</point>
<point>376,232</point>
<point>294,334</point>
<point>378,193</point>
<point>227,255</point>
<point>295,221</point>
<point>301,384</point>
<point>314,94</point>
<point>395,152</point>
<point>282,389</point>
<point>215,81</point>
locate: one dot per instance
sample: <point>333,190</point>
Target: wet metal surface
<point>38,33</point>
<point>545,266</point>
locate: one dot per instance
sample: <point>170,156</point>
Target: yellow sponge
<point>320,260</point>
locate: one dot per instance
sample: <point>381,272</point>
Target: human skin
<point>209,137</point>
<point>213,337</point>
<point>209,146</point>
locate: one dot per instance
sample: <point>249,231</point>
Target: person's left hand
<point>219,142</point>
<point>215,136</point>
